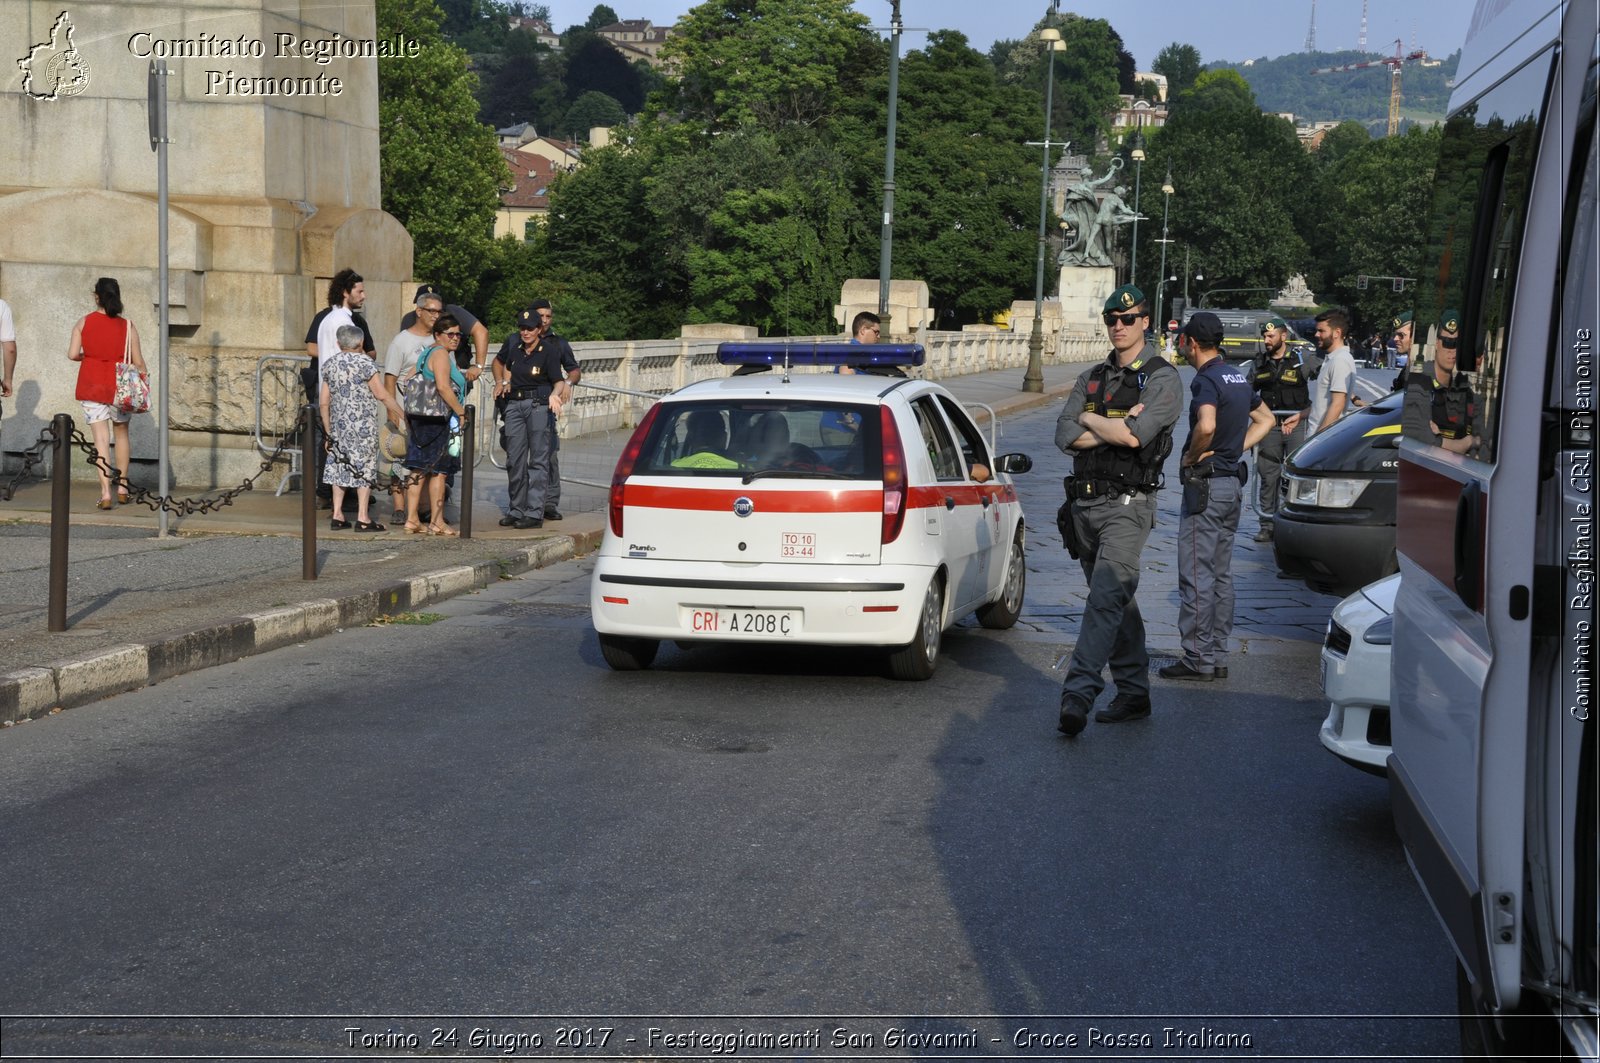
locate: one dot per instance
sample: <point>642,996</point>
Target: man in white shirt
<point>1336,382</point>
<point>352,296</point>
<point>8,352</point>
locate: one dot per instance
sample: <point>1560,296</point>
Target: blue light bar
<point>858,354</point>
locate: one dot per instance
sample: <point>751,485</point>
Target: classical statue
<point>1089,220</point>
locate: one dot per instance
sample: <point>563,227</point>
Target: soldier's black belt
<point>518,394</point>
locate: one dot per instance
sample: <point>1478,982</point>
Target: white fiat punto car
<point>803,507</point>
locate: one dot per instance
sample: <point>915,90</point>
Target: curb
<point>31,692</point>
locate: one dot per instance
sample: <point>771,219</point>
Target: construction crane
<point>1394,63</point>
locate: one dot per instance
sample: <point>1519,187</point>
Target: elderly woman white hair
<point>351,392</point>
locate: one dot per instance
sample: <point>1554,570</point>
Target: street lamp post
<point>885,251</point>
<point>1138,168</point>
<point>1166,207</point>
<point>1033,380</point>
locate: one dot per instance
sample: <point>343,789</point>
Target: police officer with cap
<point>1117,425</point>
<point>1441,407</point>
<point>1226,418</point>
<point>531,370</point>
<point>1282,381</point>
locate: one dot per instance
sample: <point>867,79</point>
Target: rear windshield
<point>772,438</point>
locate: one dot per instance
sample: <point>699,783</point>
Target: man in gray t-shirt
<point>1336,382</point>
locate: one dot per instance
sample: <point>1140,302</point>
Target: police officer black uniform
<point>532,367</point>
<point>1280,378</point>
<point>1226,418</point>
<point>1117,425</point>
<point>1441,407</point>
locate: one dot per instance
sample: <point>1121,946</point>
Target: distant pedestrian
<point>532,372</point>
<point>429,451</point>
<point>1281,379</point>
<point>1336,381</point>
<point>865,327</point>
<point>8,354</point>
<point>347,293</point>
<point>99,341</point>
<point>552,494</point>
<point>1226,418</point>
<point>1117,425</point>
<point>351,392</point>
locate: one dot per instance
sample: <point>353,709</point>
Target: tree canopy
<point>1180,65</point>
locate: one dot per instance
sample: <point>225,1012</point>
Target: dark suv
<point>1335,523</point>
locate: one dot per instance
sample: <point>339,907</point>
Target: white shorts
<point>99,411</point>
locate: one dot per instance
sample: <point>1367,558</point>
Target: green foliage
<point>1087,77</point>
<point>1376,202</point>
<point>440,168</point>
<point>593,65</point>
<point>1287,84</point>
<point>1339,142</point>
<point>765,62</point>
<point>1180,65</point>
<point>1218,90</point>
<point>602,15</point>
<point>592,109</point>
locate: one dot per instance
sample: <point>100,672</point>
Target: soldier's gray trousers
<point>1112,632</point>
<point>1271,453</point>
<point>528,433</point>
<point>1205,571</point>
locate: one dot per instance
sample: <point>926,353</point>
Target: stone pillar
<point>1084,291</point>
<point>273,187</point>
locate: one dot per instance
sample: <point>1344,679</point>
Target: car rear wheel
<point>1003,611</point>
<point>626,654</point>
<point>917,659</point>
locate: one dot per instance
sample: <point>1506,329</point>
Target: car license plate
<point>762,623</point>
<point>799,544</point>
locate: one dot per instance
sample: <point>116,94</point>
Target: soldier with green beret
<point>1117,425</point>
<point>1441,407</point>
<point>1284,384</point>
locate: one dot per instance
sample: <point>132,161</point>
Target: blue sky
<point>1221,29</point>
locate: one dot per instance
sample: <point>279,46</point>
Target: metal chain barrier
<point>181,506</point>
<point>416,476</point>
<point>30,457</point>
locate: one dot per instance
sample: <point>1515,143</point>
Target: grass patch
<point>388,619</point>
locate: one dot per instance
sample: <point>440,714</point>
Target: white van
<point>1493,774</point>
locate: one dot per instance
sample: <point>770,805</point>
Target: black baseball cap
<point>1205,328</point>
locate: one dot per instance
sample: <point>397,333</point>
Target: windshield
<point>764,439</point>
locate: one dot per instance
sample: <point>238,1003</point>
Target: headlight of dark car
<point>1326,492</point>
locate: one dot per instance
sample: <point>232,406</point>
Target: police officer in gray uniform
<point>1226,418</point>
<point>1283,384</point>
<point>1117,425</point>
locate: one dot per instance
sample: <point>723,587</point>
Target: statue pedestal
<point>1084,291</point>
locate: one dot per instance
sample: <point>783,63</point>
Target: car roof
<point>825,387</point>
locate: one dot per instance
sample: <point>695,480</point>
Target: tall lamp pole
<point>886,246</point>
<point>1166,208</point>
<point>1138,168</point>
<point>1033,379</point>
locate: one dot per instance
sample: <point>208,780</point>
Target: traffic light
<point>1399,284</point>
<point>1361,282</point>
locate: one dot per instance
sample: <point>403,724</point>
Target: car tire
<point>1003,611</point>
<point>917,659</point>
<point>628,654</point>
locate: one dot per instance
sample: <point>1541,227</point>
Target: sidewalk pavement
<point>225,585</point>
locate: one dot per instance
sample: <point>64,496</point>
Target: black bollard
<point>308,495</point>
<point>468,452</point>
<point>60,517</point>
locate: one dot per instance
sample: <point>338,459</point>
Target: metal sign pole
<point>158,144</point>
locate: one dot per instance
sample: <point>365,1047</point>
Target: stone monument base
<point>1084,291</point>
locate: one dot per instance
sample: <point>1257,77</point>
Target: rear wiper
<point>799,474</point>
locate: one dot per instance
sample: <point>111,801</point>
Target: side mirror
<point>1013,463</point>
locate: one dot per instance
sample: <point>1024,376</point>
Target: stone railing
<point>660,366</point>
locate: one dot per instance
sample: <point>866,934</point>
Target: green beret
<point>1450,321</point>
<point>1123,299</point>
<point>1275,322</point>
<point>1402,318</point>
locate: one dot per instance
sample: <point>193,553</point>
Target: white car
<point>775,506</point>
<point>1355,676</point>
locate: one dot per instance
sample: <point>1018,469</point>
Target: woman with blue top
<point>429,450</point>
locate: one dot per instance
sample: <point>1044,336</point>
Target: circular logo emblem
<point>743,507</point>
<point>67,74</point>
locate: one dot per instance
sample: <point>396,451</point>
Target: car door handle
<point>949,502</point>
<point>985,498</point>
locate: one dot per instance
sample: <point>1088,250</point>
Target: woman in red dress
<point>98,341</point>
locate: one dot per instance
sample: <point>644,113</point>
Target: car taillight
<point>625,464</point>
<point>894,478</point>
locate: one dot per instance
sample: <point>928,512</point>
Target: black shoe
<point>1183,670</point>
<point>1219,672</point>
<point>1074,715</point>
<point>552,514</point>
<point>425,516</point>
<point>509,521</point>
<point>1265,534</point>
<point>338,525</point>
<point>1124,707</point>
<point>529,522</point>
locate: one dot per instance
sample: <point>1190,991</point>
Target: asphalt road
<point>427,826</point>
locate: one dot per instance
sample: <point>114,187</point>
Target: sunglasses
<point>451,335</point>
<point>1448,342</point>
<point>1126,319</point>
